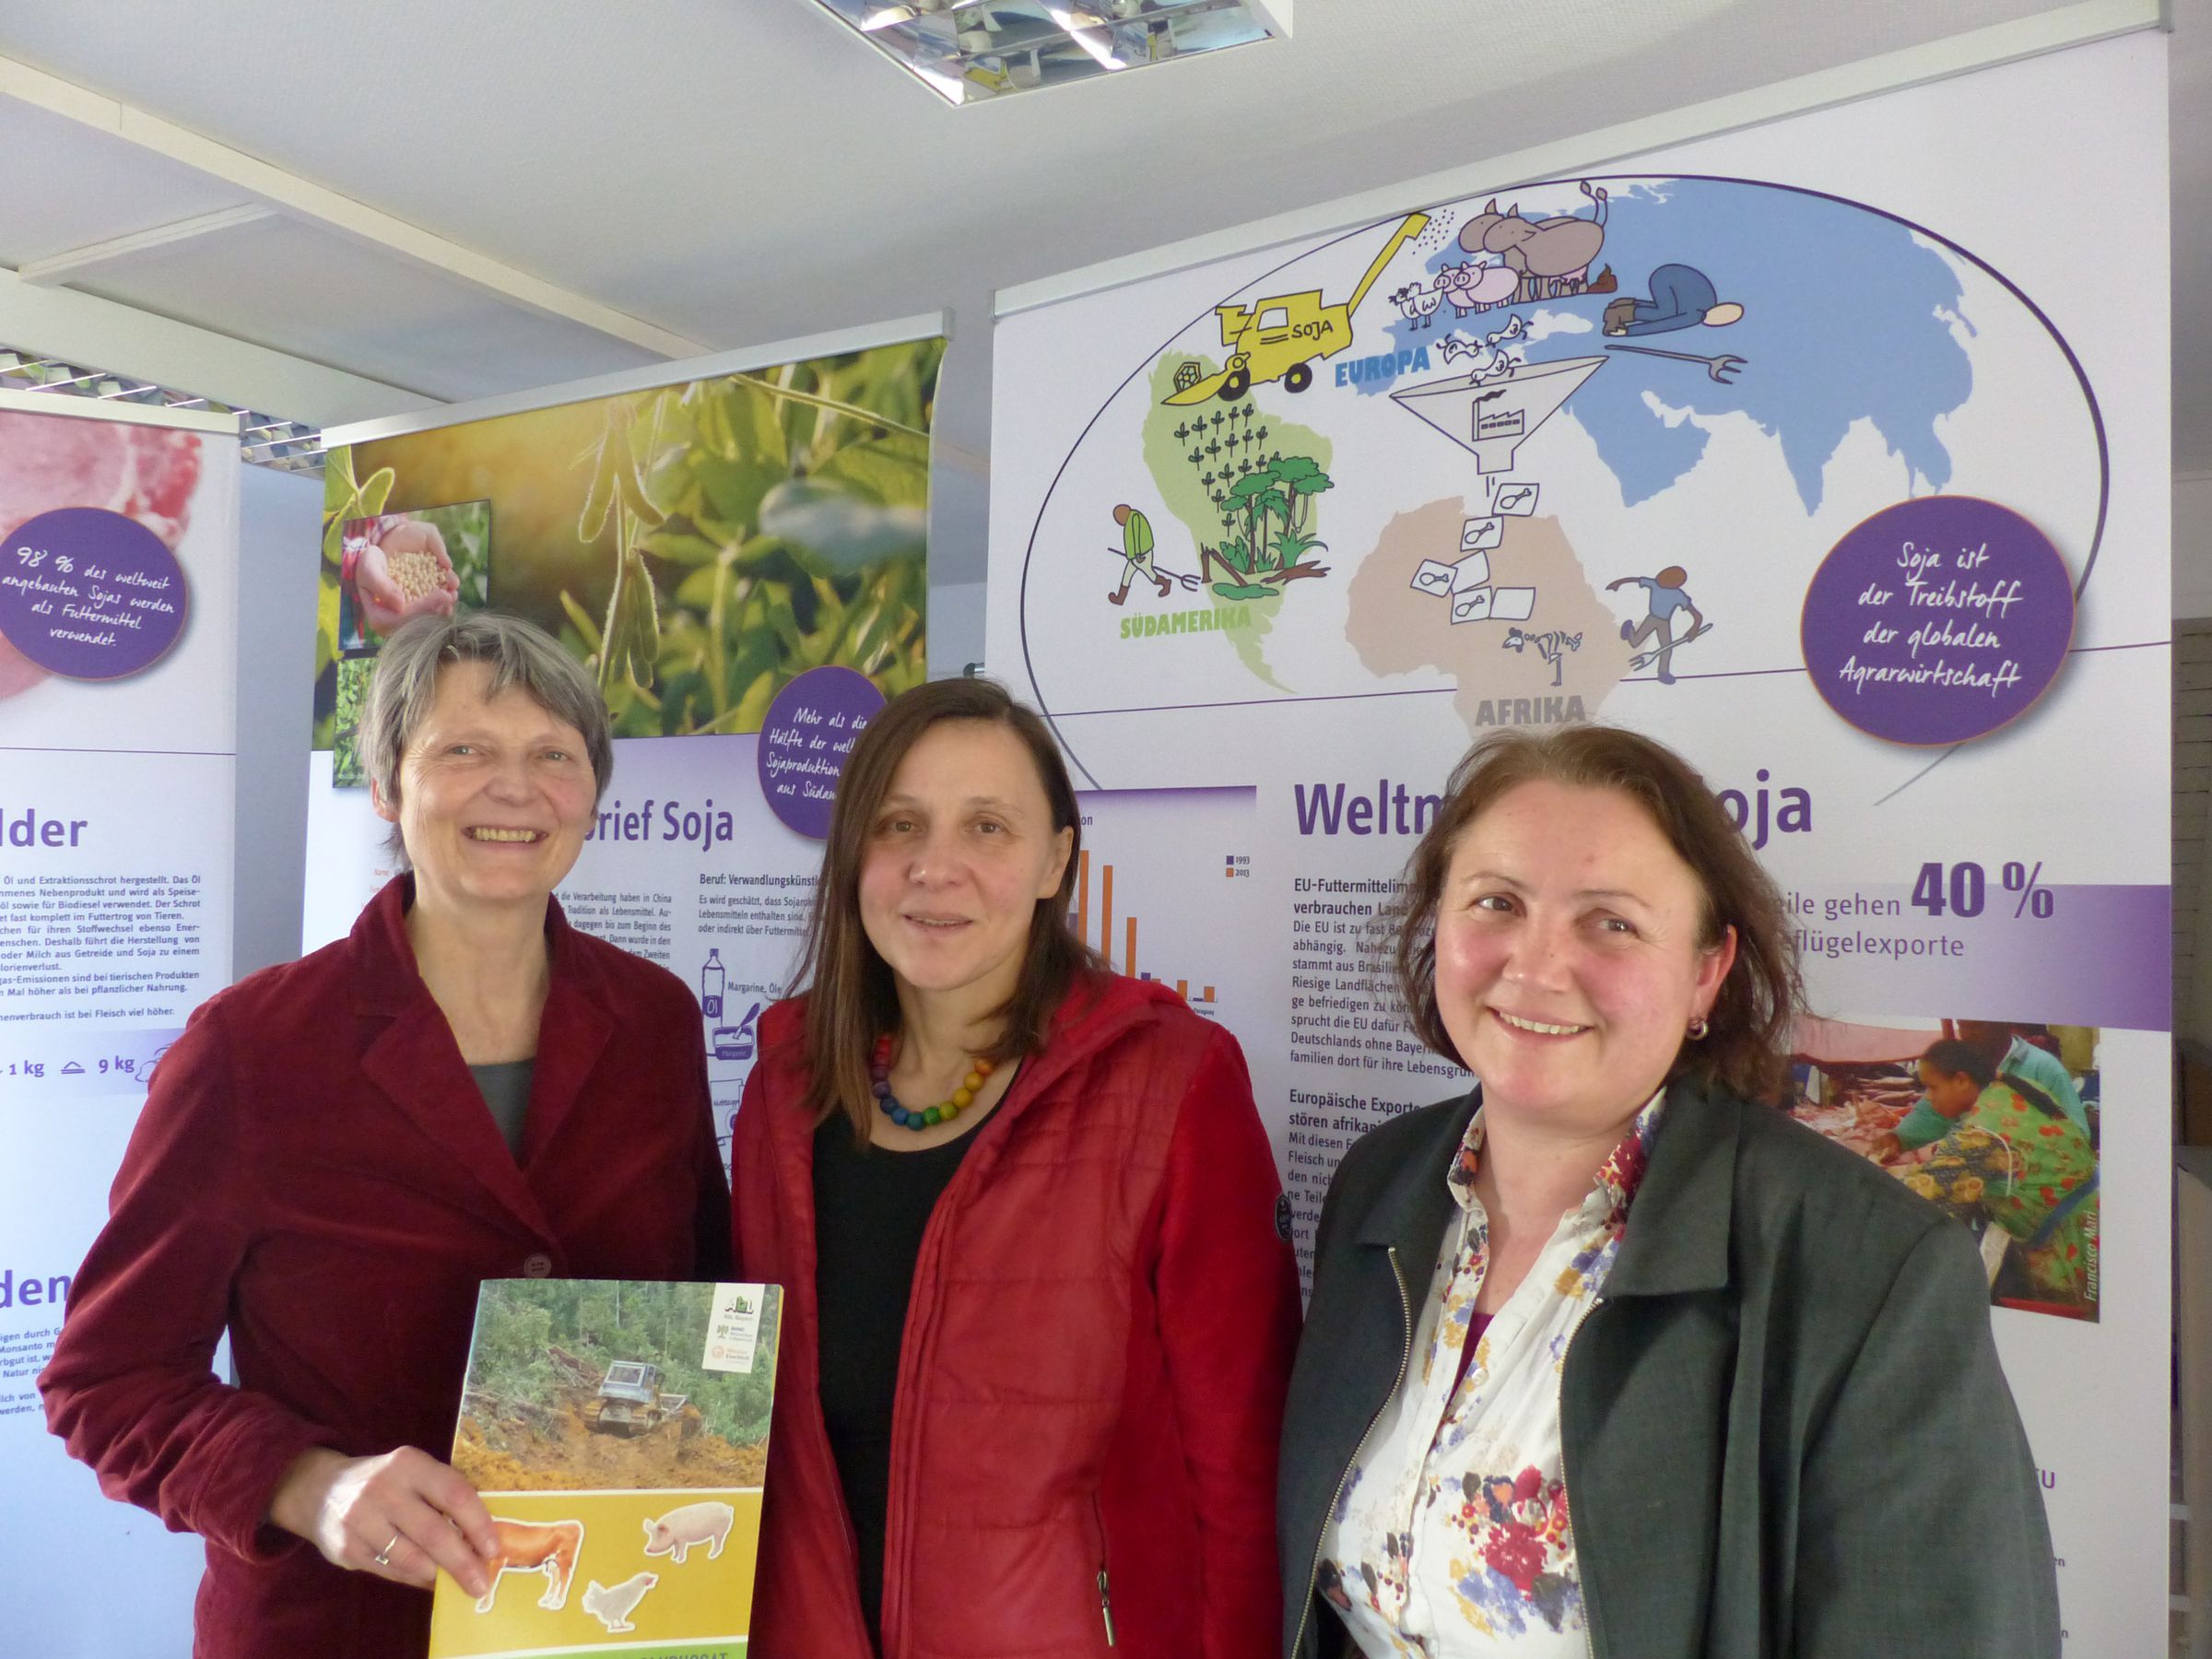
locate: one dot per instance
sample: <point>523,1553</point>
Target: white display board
<point>118,665</point>
<point>1811,450</point>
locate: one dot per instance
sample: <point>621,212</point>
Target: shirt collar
<point>1618,1177</point>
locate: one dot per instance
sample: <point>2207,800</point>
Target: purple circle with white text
<point>803,742</point>
<point>1937,620</point>
<point>89,594</point>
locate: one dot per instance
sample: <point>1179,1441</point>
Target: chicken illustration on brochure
<point>618,1430</point>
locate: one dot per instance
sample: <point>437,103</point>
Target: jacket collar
<point>1097,1011</point>
<point>1415,1203</point>
<point>415,1062</point>
<point>1678,1233</point>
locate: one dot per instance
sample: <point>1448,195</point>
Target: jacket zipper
<point>1404,1361</point>
<point>917,1337</point>
<point>1567,1476</point>
<point>1098,1519</point>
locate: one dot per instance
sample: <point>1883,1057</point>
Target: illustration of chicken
<point>612,1605</point>
<point>1418,304</point>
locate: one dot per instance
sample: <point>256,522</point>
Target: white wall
<point>280,517</point>
<point>956,627</point>
<point>2193,544</point>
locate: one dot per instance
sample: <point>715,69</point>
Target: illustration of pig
<point>675,1533</point>
<point>1473,287</point>
<point>612,1605</point>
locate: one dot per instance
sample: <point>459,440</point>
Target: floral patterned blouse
<point>1450,1536</point>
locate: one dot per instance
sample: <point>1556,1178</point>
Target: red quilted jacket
<point>1094,1364</point>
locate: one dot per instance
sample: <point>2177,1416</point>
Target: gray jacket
<point>1785,1429</point>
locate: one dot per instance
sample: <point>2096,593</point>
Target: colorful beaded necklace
<point>944,1111</point>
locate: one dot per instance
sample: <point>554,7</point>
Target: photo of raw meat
<point>145,473</point>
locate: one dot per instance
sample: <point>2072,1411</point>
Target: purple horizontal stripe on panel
<point>2103,956</point>
<point>1250,792</point>
<point>34,749</point>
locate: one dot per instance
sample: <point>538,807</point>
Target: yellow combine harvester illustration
<point>1280,337</point>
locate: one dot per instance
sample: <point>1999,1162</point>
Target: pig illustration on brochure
<point>675,1533</point>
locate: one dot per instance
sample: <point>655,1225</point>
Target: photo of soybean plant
<point>353,673</point>
<point>696,546</point>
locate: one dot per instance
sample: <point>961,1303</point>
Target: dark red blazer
<point>315,1170</point>
<point>1092,1374</point>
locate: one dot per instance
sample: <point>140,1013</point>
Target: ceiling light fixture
<point>263,439</point>
<point>1085,29</point>
<point>972,51</point>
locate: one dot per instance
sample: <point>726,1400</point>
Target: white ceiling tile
<point>63,186</point>
<point>298,288</point>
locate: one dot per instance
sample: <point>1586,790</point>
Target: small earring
<point>1697,1027</point>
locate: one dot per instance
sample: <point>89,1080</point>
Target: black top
<point>505,1086</point>
<point>869,1212</point>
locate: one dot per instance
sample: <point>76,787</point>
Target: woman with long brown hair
<point>1039,1296</point>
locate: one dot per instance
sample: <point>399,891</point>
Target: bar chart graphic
<point>1163,885</point>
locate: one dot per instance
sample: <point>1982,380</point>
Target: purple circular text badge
<point>89,594</point>
<point>803,742</point>
<point>1937,620</point>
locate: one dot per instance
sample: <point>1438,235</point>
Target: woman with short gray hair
<point>337,1151</point>
<point>517,653</point>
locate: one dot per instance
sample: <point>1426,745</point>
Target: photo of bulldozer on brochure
<point>577,1383</point>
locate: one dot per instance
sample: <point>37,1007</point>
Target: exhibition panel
<point>118,678</point>
<point>1803,449</point>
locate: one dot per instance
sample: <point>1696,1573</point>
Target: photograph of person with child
<point>1995,1121</point>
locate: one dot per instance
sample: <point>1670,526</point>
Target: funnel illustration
<point>1491,416</point>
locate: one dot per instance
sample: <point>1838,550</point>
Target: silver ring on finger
<point>382,1558</point>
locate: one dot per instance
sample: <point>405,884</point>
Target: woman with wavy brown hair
<point>1614,1270</point>
<point>1040,1297</point>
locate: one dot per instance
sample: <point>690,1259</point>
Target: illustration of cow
<point>547,1546</point>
